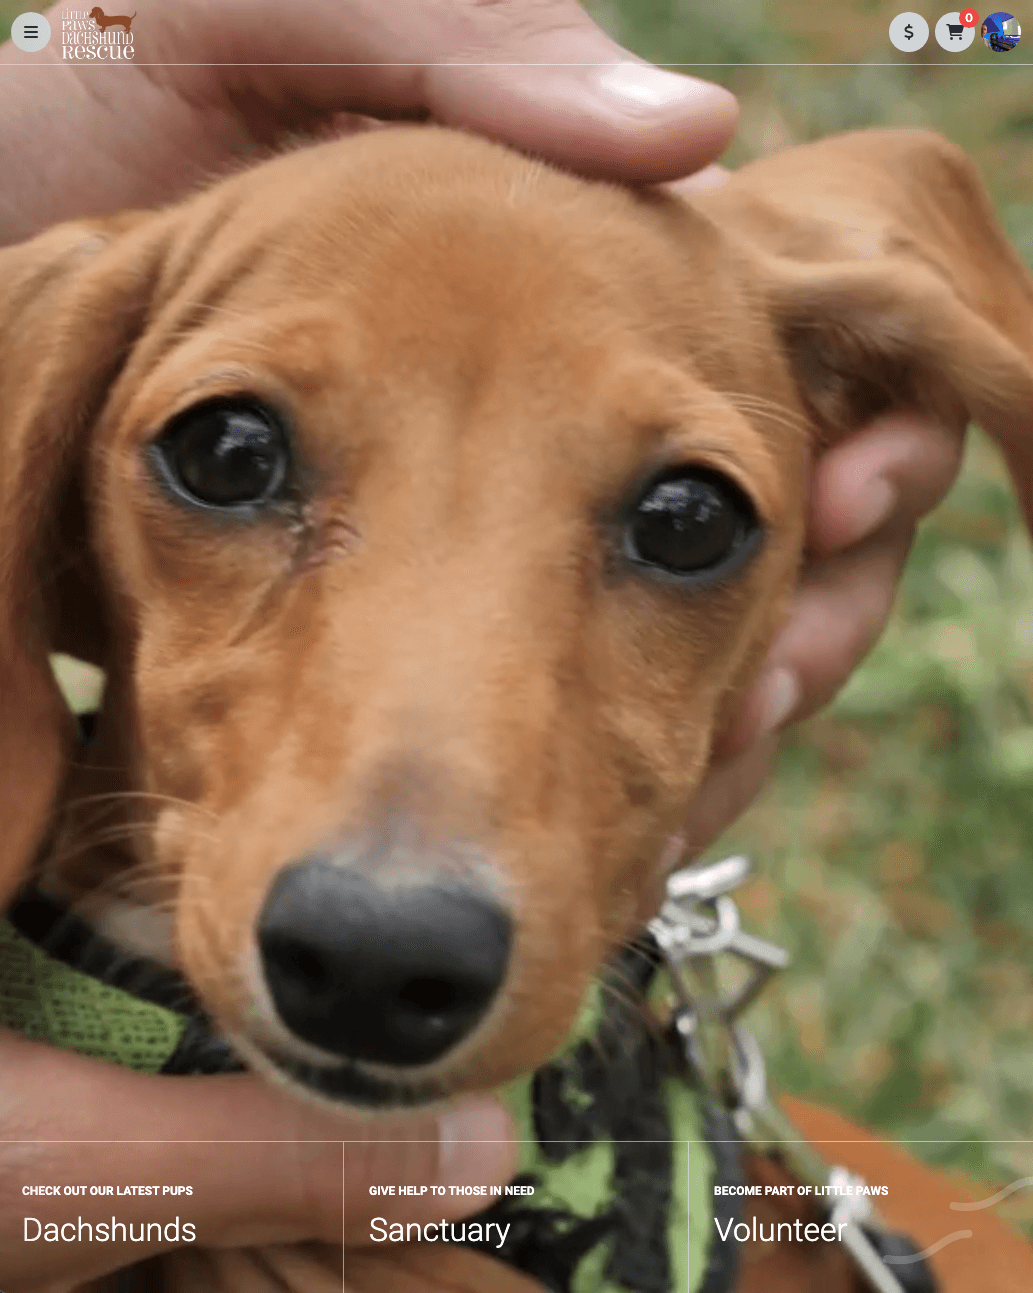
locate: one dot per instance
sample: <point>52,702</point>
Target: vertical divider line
<point>688,1220</point>
<point>344,1187</point>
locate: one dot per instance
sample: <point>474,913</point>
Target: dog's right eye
<point>225,454</point>
<point>693,525</point>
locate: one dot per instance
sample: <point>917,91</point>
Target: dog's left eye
<point>691,521</point>
<point>225,453</point>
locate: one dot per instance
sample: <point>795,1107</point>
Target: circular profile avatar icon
<point>1000,32</point>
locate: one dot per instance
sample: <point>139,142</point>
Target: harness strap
<point>607,1124</point>
<point>63,983</point>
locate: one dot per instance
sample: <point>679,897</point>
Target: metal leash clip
<point>697,923</point>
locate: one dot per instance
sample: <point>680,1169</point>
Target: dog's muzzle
<point>385,975</point>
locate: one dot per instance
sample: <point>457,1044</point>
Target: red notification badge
<point>968,17</point>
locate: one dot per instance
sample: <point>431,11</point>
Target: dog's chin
<point>348,1085</point>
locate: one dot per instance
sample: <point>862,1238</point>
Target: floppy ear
<point>71,305</point>
<point>866,337</point>
<point>933,308</point>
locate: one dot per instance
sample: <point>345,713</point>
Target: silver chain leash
<point>697,923</point>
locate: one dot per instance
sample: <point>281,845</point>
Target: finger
<point>895,471</point>
<point>867,494</point>
<point>229,82</point>
<point>262,1165</point>
<point>545,78</point>
<point>469,1146</point>
<point>704,181</point>
<point>537,74</point>
<point>838,612</point>
<point>848,599</point>
<point>1018,454</point>
<point>730,787</point>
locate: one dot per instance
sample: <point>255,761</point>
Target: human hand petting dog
<point>159,131</point>
<point>542,77</point>
<point>239,80</point>
<point>867,495</point>
<point>218,86</point>
<point>149,137</point>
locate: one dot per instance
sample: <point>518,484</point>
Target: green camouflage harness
<point>625,1132</point>
<point>621,1150</point>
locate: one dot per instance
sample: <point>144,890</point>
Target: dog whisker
<point>768,409</point>
<point>135,795</point>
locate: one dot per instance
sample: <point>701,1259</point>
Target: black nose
<point>392,975</point>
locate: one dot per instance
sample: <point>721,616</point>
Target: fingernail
<point>780,695</point>
<point>875,507</point>
<point>704,181</point>
<point>475,1143</point>
<point>639,84</point>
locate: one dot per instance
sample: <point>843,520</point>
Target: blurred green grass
<point>894,850</point>
<point>894,843</point>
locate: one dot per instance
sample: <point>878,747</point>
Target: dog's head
<point>425,507</point>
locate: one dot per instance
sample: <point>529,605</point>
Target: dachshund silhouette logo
<point>116,20</point>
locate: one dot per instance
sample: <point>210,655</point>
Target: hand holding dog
<point>867,495</point>
<point>868,492</point>
<point>69,1121</point>
<point>543,78</point>
<point>217,87</point>
<point>235,83</point>
<point>149,137</point>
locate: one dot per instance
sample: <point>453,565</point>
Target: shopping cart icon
<point>957,30</point>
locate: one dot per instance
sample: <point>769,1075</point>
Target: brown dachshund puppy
<point>426,508</point>
<point>104,21</point>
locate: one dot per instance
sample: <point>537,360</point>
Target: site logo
<point>96,35</point>
<point>1001,32</point>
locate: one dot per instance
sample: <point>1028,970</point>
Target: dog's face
<point>437,505</point>
<point>439,549</point>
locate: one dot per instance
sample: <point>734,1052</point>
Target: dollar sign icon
<point>909,32</point>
